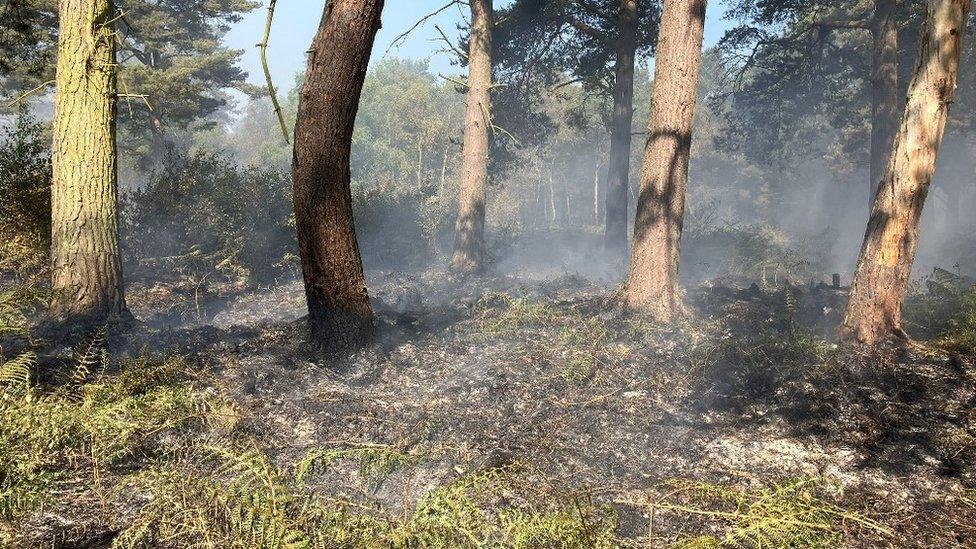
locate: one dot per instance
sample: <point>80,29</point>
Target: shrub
<point>25,207</point>
<point>942,307</point>
<point>201,215</point>
<point>84,426</point>
<point>402,228</point>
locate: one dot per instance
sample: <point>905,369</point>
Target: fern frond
<point>15,373</point>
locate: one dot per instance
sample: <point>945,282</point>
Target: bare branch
<point>267,70</point>
<point>28,93</point>
<point>399,39</point>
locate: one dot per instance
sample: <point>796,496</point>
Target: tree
<point>597,41</point>
<point>817,62</point>
<point>173,66</point>
<point>20,36</point>
<point>469,239</point>
<point>340,315</point>
<point>86,267</point>
<point>618,165</point>
<point>652,283</point>
<point>881,280</point>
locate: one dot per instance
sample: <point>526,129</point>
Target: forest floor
<point>515,412</point>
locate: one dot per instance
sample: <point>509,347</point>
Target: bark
<point>87,271</point>
<point>653,280</point>
<point>884,89</point>
<point>469,240</point>
<point>340,315</point>
<point>618,166</point>
<point>881,279</point>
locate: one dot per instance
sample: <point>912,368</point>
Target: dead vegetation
<point>512,414</point>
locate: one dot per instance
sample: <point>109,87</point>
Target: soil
<point>588,399</point>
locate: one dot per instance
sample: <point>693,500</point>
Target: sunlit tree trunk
<point>618,166</point>
<point>884,89</point>
<point>653,280</point>
<point>884,266</point>
<point>87,271</point>
<point>340,315</point>
<point>469,239</point>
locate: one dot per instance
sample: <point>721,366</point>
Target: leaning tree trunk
<point>883,268</point>
<point>469,238</point>
<point>653,280</point>
<point>340,315</point>
<point>86,268</point>
<point>618,167</point>
<point>884,90</point>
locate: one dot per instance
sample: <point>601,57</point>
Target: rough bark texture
<point>86,268</point>
<point>884,90</point>
<point>653,280</point>
<point>618,167</point>
<point>340,315</point>
<point>469,238</point>
<point>881,279</point>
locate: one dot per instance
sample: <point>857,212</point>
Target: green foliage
<point>746,253</point>
<point>250,502</point>
<point>173,66</point>
<point>942,308</point>
<point>25,209</point>
<point>84,426</point>
<point>19,39</point>
<point>788,514</point>
<point>375,460</point>
<point>400,228</point>
<point>201,216</point>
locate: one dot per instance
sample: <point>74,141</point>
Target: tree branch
<point>267,70</point>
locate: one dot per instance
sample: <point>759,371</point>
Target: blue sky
<point>296,21</point>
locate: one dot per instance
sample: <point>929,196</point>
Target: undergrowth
<point>250,502</point>
<point>787,514</point>
<point>942,308</point>
<point>84,428</point>
<point>582,344</point>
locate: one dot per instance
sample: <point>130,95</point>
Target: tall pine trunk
<point>618,166</point>
<point>469,239</point>
<point>86,267</point>
<point>652,284</point>
<point>885,264</point>
<point>340,315</point>
<point>884,89</point>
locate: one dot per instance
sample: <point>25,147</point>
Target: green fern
<point>91,355</point>
<point>15,374</point>
<point>785,514</point>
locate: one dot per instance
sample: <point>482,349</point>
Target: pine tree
<point>652,283</point>
<point>86,267</point>
<point>881,280</point>
<point>340,315</point>
<point>469,239</point>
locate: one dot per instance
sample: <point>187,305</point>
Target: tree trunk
<point>469,240</point>
<point>552,198</point>
<point>618,166</point>
<point>340,315</point>
<point>653,280</point>
<point>884,90</point>
<point>596,194</point>
<point>884,266</point>
<point>87,270</point>
<point>440,192</point>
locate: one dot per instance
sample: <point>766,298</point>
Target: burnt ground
<point>549,376</point>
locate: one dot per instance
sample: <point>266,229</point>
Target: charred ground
<point>512,411</point>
